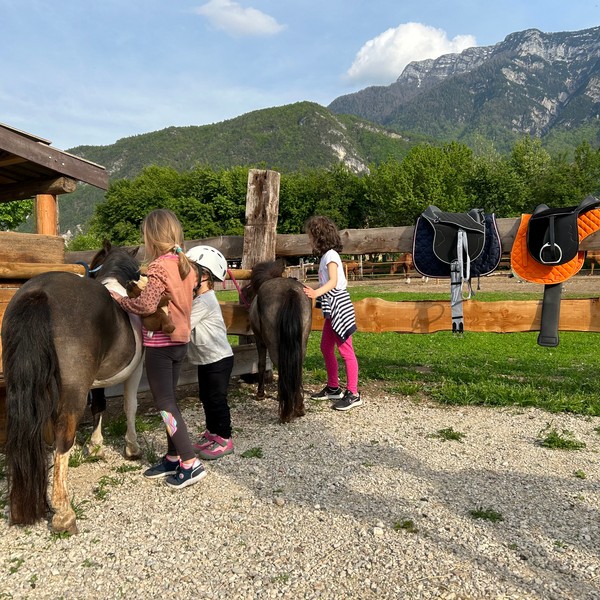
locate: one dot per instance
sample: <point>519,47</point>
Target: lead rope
<point>239,290</point>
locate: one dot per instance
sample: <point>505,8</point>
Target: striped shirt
<point>337,306</point>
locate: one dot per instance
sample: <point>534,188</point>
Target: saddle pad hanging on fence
<point>458,246</point>
<point>546,250</point>
<point>526,267</point>
<point>428,264</point>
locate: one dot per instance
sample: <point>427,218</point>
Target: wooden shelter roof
<point>29,166</point>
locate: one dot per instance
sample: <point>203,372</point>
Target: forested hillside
<point>288,139</point>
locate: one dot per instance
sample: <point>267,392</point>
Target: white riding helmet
<point>209,258</point>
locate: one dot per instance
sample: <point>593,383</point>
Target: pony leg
<point>262,367</point>
<point>95,447</point>
<point>64,516</point>
<point>130,402</point>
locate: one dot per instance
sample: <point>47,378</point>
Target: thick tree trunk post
<point>260,231</point>
<point>46,214</point>
<point>262,209</point>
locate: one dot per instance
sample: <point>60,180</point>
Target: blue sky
<point>89,72</point>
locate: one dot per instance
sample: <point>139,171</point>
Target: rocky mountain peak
<point>529,83</point>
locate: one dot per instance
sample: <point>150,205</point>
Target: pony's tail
<point>289,369</point>
<point>32,377</point>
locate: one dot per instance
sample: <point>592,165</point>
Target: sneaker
<point>184,477</point>
<point>217,448</point>
<point>348,401</point>
<point>163,469</point>
<point>205,441</point>
<point>328,393</point>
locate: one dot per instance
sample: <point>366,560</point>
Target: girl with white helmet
<point>210,350</point>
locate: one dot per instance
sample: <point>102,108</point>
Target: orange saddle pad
<point>526,267</point>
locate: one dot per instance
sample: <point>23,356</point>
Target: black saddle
<point>456,246</point>
<point>553,238</point>
<point>553,233</point>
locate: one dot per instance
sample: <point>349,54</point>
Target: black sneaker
<point>163,469</point>
<point>185,477</point>
<point>348,401</point>
<point>328,393</point>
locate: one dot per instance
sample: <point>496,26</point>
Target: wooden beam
<point>22,191</point>
<point>356,241</point>
<point>31,248</point>
<point>374,315</point>
<point>14,270</point>
<point>11,160</point>
<point>62,162</point>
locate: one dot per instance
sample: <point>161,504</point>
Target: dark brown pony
<point>281,319</point>
<point>61,336</point>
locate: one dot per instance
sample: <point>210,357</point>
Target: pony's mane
<point>113,261</point>
<point>264,271</point>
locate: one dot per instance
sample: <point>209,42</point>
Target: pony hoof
<point>133,453</point>
<point>93,451</point>
<point>260,396</point>
<point>65,524</point>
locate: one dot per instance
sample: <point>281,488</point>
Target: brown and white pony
<point>405,264</point>
<point>62,335</point>
<point>594,257</point>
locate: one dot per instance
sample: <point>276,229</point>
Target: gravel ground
<point>365,504</point>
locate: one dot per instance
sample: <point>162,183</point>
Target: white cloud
<point>382,59</point>
<point>236,20</point>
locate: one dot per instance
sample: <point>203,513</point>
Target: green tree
<point>12,214</point>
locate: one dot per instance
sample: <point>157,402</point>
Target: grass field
<point>475,368</point>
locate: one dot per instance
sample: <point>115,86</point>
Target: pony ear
<point>106,245</point>
<point>133,251</point>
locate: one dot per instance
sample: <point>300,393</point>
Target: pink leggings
<point>329,341</point>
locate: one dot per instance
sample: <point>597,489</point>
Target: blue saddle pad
<point>427,263</point>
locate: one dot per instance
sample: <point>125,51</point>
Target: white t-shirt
<point>209,342</point>
<point>328,257</point>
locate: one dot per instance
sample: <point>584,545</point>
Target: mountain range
<point>533,83</point>
<point>540,84</point>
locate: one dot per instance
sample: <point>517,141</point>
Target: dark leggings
<point>162,369</point>
<point>213,381</point>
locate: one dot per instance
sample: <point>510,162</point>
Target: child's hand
<point>309,292</point>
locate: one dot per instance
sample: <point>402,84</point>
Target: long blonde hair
<point>163,233</point>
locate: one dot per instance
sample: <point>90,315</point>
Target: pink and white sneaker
<point>206,439</point>
<point>218,447</point>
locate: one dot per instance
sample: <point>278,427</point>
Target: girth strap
<point>456,298</point>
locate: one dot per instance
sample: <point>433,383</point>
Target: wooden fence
<point>24,255</point>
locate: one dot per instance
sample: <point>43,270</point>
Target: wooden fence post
<point>260,231</point>
<point>262,209</point>
<point>46,214</point>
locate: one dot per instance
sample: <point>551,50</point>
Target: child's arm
<point>147,302</point>
<point>332,272</point>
